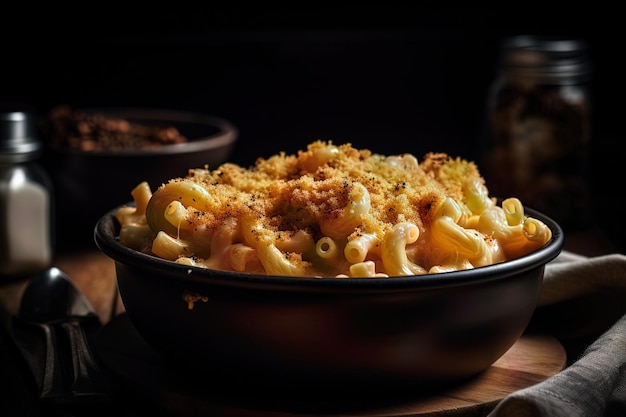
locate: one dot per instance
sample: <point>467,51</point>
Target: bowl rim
<point>107,227</point>
<point>226,135</point>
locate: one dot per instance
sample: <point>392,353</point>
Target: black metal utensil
<point>38,345</point>
<point>52,300</point>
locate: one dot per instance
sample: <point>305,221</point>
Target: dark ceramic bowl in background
<point>86,183</point>
<point>328,333</point>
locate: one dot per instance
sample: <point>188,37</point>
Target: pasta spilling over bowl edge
<point>331,211</point>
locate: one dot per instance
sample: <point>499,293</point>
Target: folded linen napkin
<point>579,290</point>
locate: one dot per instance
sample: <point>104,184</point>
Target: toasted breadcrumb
<point>337,211</point>
<point>294,192</point>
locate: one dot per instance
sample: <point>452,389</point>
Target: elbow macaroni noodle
<point>331,211</point>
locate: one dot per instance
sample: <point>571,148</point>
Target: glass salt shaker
<point>539,127</point>
<point>26,197</point>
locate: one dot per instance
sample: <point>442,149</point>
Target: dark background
<point>393,78</point>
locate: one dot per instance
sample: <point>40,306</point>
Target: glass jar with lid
<point>539,127</point>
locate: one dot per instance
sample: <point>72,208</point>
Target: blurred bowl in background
<point>88,181</point>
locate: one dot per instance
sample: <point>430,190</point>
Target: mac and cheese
<point>331,211</point>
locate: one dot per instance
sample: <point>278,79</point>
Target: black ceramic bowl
<point>353,333</point>
<point>86,183</point>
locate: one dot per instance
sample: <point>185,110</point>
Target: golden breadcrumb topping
<point>332,210</point>
<point>293,192</point>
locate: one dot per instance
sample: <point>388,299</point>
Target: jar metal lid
<point>550,59</point>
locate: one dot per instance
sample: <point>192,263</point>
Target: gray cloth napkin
<point>594,383</point>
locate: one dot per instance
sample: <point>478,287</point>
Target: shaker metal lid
<point>19,140</point>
